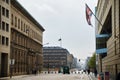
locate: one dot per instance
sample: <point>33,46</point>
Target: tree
<point>92,61</point>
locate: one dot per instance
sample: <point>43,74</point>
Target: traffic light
<point>79,60</point>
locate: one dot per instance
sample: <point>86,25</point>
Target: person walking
<point>118,76</point>
<point>95,72</point>
<point>88,71</point>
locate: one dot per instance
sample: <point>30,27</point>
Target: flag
<point>59,39</point>
<point>88,15</point>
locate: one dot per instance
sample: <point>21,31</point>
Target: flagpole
<point>95,16</point>
<point>60,42</point>
<point>97,19</point>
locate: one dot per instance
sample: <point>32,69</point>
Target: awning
<point>102,35</point>
<point>101,51</point>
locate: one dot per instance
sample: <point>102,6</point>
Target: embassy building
<point>20,40</point>
<point>108,37</point>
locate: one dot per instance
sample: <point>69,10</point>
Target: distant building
<point>70,60</point>
<point>86,63</point>
<point>20,40</point>
<point>74,64</point>
<point>54,57</point>
<point>108,37</point>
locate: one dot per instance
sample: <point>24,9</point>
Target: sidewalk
<point>14,77</point>
<point>92,77</point>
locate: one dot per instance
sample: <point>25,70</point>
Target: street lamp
<point>12,62</point>
<point>46,44</point>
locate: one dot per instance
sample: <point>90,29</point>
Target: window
<point>3,40</point>
<point>3,0</point>
<point>3,11</point>
<point>24,27</point>
<point>15,21</point>
<point>7,13</point>
<point>7,40</point>
<point>7,1</point>
<point>0,39</point>
<point>7,27</point>
<point>21,25</point>
<point>18,23</point>
<point>3,25</point>
<point>12,19</point>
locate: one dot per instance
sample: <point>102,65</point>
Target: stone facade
<point>20,40</point>
<point>55,57</point>
<point>108,12</point>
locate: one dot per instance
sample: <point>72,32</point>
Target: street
<point>52,77</point>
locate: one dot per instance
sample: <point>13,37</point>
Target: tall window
<point>24,27</point>
<point>3,0</point>
<point>3,25</point>
<point>21,25</point>
<point>7,13</point>
<point>15,21</point>
<point>3,11</point>
<point>7,41</point>
<point>7,1</point>
<point>12,19</point>
<point>0,39</point>
<point>3,40</point>
<point>18,23</point>
<point>0,17</point>
<point>7,27</point>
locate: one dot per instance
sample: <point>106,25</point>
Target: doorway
<point>4,64</point>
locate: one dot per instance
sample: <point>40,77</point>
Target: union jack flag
<point>88,14</point>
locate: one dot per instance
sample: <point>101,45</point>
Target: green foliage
<point>92,61</point>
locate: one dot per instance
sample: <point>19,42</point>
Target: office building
<point>108,37</point>
<point>55,57</point>
<point>20,40</point>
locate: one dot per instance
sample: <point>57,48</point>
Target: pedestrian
<point>88,71</point>
<point>118,76</point>
<point>95,72</point>
<point>85,71</point>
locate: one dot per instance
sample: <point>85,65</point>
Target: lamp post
<point>12,62</point>
<point>45,44</point>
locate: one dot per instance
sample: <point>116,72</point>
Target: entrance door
<point>4,65</point>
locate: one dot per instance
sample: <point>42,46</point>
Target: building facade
<point>108,12</point>
<point>20,40</point>
<point>71,61</point>
<point>54,57</point>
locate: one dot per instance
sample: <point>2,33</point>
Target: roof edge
<point>17,5</point>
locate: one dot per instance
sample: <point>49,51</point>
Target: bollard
<point>98,77</point>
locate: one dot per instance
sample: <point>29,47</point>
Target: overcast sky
<point>65,19</point>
